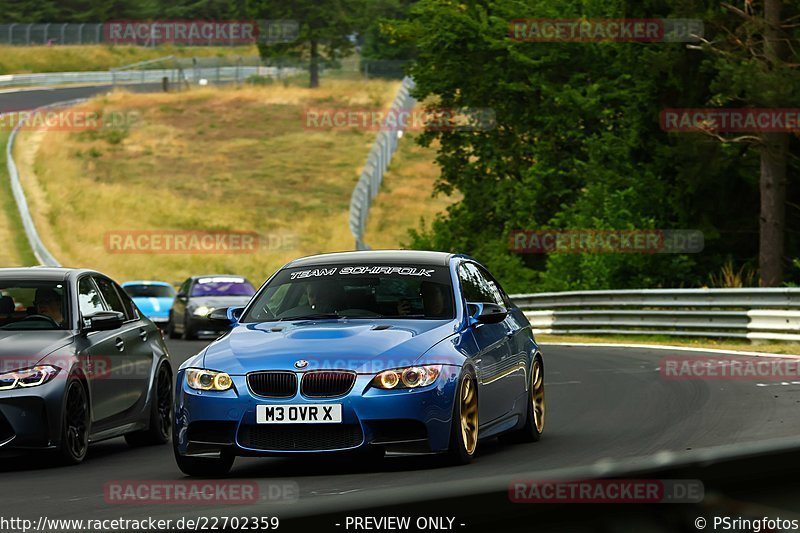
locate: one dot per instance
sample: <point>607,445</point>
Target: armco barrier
<point>756,314</point>
<point>41,252</point>
<point>378,160</point>
<point>116,77</point>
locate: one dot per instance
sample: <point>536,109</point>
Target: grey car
<point>198,297</point>
<point>78,364</point>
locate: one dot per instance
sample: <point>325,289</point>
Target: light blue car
<point>153,298</point>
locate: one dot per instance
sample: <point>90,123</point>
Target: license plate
<point>299,414</point>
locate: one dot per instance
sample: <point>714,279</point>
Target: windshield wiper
<point>311,317</point>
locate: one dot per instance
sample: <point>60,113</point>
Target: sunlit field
<point>231,160</point>
<point>80,58</point>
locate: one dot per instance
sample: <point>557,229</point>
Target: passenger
<point>434,300</point>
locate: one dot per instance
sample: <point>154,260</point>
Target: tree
<point>326,27</point>
<point>757,66</point>
<point>578,144</point>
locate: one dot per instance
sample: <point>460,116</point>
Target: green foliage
<point>578,143</point>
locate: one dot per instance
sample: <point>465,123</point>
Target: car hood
<point>215,302</point>
<point>366,347</point>
<point>153,305</point>
<point>22,349</point>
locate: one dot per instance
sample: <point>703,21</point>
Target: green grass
<point>16,251</point>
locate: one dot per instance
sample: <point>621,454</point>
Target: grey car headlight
<point>28,377</point>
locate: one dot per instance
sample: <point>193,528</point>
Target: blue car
<point>396,352</point>
<point>153,298</point>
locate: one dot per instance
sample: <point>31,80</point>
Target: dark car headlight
<point>28,377</point>
<point>202,379</point>
<point>407,378</point>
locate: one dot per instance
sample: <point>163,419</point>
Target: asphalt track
<point>12,100</point>
<point>605,405</point>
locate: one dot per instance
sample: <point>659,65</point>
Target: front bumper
<point>202,326</point>
<point>400,421</point>
<point>31,418</point>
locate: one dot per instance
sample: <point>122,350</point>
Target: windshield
<point>29,305</point>
<point>222,287</point>
<point>356,291</point>
<point>149,291</point>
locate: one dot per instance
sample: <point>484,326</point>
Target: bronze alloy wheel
<point>537,394</point>
<point>469,415</point>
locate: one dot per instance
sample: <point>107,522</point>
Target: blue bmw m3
<point>398,352</point>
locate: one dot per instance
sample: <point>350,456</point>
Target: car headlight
<point>407,378</point>
<point>202,311</point>
<point>28,377</point>
<point>200,379</point>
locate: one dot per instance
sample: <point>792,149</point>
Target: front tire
<point>464,427</point>
<point>160,413</point>
<point>171,328</point>
<point>75,424</point>
<point>188,333</point>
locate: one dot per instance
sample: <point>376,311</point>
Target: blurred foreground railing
<point>751,313</point>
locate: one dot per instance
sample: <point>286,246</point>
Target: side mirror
<point>486,313</point>
<point>103,321</point>
<point>181,296</point>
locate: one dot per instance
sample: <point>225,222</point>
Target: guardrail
<point>369,183</point>
<point>756,314</point>
<point>114,77</point>
<point>40,251</point>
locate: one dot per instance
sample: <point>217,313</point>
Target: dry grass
<point>716,344</point>
<point>79,58</point>
<point>212,160</point>
<point>406,195</point>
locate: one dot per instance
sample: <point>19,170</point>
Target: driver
<point>48,303</point>
<point>324,296</point>
<point>320,300</point>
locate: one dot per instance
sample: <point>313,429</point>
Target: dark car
<point>385,351</point>
<point>198,297</point>
<point>78,364</point>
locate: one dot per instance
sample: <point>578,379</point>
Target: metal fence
<point>192,71</point>
<point>58,33</point>
<point>31,34</point>
<point>40,251</point>
<point>756,314</point>
<point>378,160</point>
